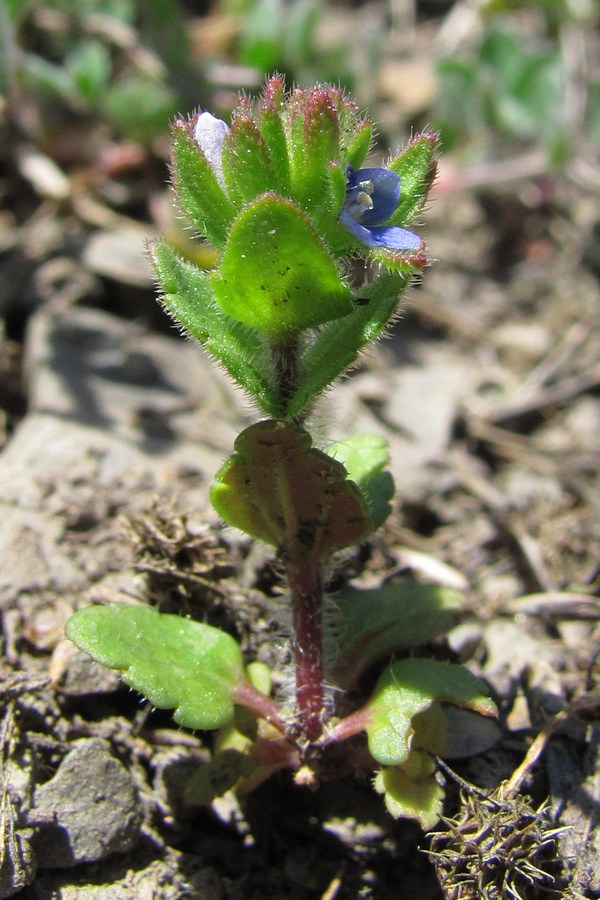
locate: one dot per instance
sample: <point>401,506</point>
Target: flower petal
<point>372,194</point>
<point>390,236</point>
<point>385,194</point>
<point>210,132</point>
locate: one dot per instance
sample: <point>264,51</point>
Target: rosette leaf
<point>408,689</point>
<point>174,662</point>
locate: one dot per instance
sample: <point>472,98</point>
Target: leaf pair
<point>198,301</point>
<point>280,489</point>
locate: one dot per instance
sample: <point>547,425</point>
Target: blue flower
<point>371,198</point>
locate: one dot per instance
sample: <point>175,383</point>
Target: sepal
<point>401,261</point>
<point>200,196</point>
<point>359,144</point>
<point>320,138</point>
<point>248,168</point>
<point>271,127</point>
<point>416,165</point>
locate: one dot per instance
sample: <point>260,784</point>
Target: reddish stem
<point>307,602</point>
<point>303,577</point>
<point>347,728</point>
<point>245,694</point>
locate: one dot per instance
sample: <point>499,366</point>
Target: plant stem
<point>285,361</point>
<point>307,603</point>
<point>245,694</point>
<point>347,728</point>
<point>303,577</point>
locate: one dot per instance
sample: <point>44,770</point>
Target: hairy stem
<point>303,577</point>
<point>307,603</point>
<point>260,704</point>
<point>285,361</point>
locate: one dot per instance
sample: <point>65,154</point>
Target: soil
<point>487,389</point>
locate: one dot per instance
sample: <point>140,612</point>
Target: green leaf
<point>188,297</point>
<point>412,792</point>
<point>336,346</point>
<point>365,456</point>
<point>302,18</point>
<point>200,195</point>
<point>278,488</point>
<point>276,274</point>
<point>505,55</point>
<point>380,622</point>
<point>15,8</point>
<point>416,166</point>
<point>261,34</point>
<point>173,661</point>
<point>247,166</point>
<point>140,106</point>
<point>409,687</point>
<point>90,68</point>
<point>38,75</point>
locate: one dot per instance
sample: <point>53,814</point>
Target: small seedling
<point>285,198</point>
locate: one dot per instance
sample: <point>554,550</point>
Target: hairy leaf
<point>276,274</point>
<point>409,687</point>
<point>280,489</point>
<point>174,662</point>
<point>380,622</point>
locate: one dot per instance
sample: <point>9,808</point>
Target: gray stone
<point>87,811</point>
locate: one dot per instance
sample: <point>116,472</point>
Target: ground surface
<point>488,391</point>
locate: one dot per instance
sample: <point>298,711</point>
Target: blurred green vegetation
<point>517,88</point>
<point>281,36</point>
<point>111,60</point>
<point>133,65</point>
<point>503,88</point>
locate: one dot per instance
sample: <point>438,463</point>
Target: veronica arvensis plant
<point>284,197</point>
